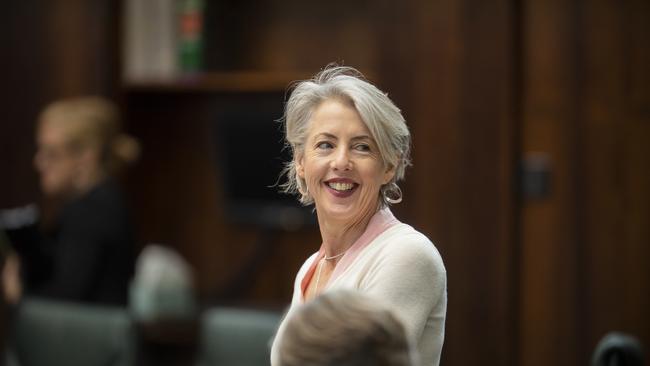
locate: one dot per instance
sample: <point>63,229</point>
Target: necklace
<point>334,256</point>
<point>320,267</point>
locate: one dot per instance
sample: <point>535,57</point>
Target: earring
<point>392,193</point>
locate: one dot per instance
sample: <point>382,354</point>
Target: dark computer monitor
<point>250,155</point>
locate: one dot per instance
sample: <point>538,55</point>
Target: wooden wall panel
<point>548,253</point>
<point>585,263</point>
<point>458,95</point>
<point>23,92</point>
<point>81,35</point>
<point>615,156</point>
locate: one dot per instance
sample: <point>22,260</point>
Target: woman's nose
<point>341,160</point>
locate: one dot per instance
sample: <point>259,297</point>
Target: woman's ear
<point>300,169</point>
<point>389,174</point>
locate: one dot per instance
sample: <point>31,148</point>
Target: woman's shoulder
<point>98,216</point>
<point>106,199</point>
<point>402,241</point>
<point>305,268</point>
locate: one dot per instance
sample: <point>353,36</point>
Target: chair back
<point>237,337</point>
<point>56,333</point>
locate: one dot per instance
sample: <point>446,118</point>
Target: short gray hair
<point>380,115</point>
<point>345,328</point>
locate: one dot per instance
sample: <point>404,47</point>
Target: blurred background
<point>531,127</point>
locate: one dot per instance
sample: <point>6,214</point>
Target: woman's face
<point>56,164</point>
<point>341,164</point>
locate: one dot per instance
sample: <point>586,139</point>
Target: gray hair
<point>345,328</point>
<point>380,115</point>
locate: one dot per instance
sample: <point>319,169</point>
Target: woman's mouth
<point>341,186</point>
<point>341,189</point>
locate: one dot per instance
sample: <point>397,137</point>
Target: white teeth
<point>341,186</point>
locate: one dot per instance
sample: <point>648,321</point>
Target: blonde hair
<point>344,328</point>
<point>382,117</point>
<point>93,123</point>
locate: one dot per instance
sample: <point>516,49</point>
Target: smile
<point>341,187</point>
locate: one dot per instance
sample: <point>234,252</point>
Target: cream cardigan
<point>399,266</point>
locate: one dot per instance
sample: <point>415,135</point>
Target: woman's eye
<point>324,145</point>
<point>362,147</point>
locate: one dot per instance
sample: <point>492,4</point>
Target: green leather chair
<point>49,333</point>
<point>237,337</point>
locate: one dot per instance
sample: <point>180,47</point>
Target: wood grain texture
<point>585,255</point>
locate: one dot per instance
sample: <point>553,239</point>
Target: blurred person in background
<point>350,147</point>
<point>88,254</point>
<point>344,328</point>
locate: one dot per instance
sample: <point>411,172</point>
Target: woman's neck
<point>89,180</point>
<point>339,236</point>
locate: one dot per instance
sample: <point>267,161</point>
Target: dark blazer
<point>89,257</point>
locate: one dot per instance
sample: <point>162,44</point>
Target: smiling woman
<point>350,147</point>
<point>341,166</point>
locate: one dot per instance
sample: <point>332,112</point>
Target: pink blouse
<point>379,222</point>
